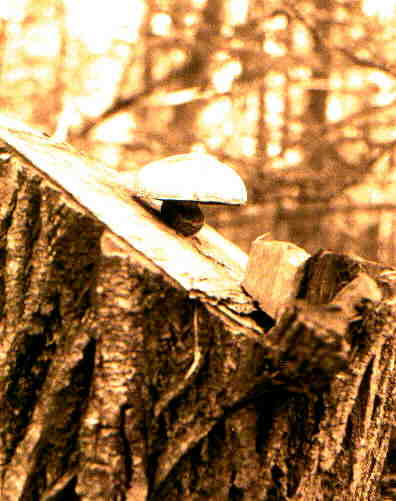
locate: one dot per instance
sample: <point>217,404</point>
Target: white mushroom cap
<point>192,177</point>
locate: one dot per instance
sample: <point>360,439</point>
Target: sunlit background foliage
<point>298,95</point>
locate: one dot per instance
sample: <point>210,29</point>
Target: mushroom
<point>184,181</point>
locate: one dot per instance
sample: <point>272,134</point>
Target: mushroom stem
<point>185,217</point>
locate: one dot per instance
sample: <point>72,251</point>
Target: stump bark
<point>134,366</point>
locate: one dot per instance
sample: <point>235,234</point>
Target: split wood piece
<point>326,273</point>
<point>352,298</point>
<point>315,340</point>
<point>273,274</point>
<point>312,346</point>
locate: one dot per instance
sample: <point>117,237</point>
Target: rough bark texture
<point>118,383</point>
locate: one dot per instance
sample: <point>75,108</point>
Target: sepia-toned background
<point>298,96</point>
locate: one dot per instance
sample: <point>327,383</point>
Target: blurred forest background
<point>299,96</point>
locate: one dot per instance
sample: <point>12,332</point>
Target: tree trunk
<point>133,365</point>
<point>198,75</point>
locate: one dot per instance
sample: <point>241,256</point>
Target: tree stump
<point>134,366</point>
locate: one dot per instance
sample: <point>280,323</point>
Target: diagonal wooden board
<point>204,265</point>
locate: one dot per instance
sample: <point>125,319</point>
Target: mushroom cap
<point>191,177</point>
